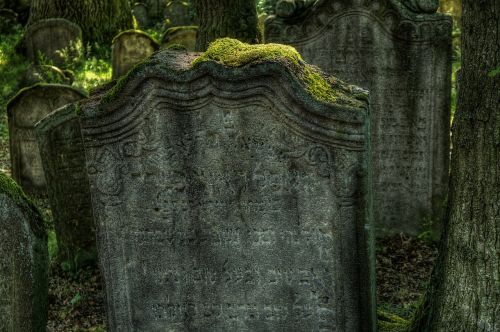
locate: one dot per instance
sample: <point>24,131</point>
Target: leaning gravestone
<point>49,38</point>
<point>23,262</point>
<point>230,199</point>
<point>185,36</point>
<point>24,110</point>
<point>61,148</point>
<point>129,48</point>
<point>404,58</point>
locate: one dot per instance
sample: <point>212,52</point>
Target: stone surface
<point>129,48</point>
<point>178,13</point>
<point>185,36</point>
<point>404,59</point>
<point>23,262</point>
<point>28,107</point>
<point>230,200</point>
<point>61,148</point>
<point>49,37</point>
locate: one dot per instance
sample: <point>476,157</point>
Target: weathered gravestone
<point>404,59</point>
<point>230,199</point>
<point>140,12</point>
<point>61,148</point>
<point>23,262</point>
<point>178,13</point>
<point>49,38</point>
<point>129,48</point>
<point>185,36</point>
<point>28,107</point>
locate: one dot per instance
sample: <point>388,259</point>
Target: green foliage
<point>266,6</point>
<point>494,72</point>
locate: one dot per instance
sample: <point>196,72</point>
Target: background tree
<point>100,20</point>
<point>464,294</point>
<point>226,18</point>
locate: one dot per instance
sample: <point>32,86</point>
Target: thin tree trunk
<point>226,18</point>
<point>464,294</point>
<point>100,20</point>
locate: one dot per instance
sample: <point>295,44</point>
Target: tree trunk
<point>100,20</point>
<point>226,18</point>
<point>464,294</point>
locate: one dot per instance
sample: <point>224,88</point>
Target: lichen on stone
<point>173,30</point>
<point>233,53</point>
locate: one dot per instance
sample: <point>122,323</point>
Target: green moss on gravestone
<point>391,323</point>
<point>12,190</point>
<point>233,53</point>
<point>171,31</point>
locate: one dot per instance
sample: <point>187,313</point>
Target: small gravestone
<point>23,262</point>
<point>231,199</point>
<point>140,12</point>
<point>50,39</point>
<point>129,48</point>
<point>402,54</point>
<point>185,36</point>
<point>178,13</point>
<point>61,149</point>
<point>28,107</point>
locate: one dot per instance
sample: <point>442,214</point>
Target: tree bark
<point>100,20</point>
<point>464,294</point>
<point>226,18</point>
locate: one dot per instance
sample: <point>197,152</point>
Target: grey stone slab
<point>404,59</point>
<point>61,148</point>
<point>230,200</point>
<point>184,35</point>
<point>129,48</point>
<point>24,110</point>
<point>49,37</point>
<point>23,262</point>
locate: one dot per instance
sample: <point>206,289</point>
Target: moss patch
<point>391,323</point>
<point>11,189</point>
<point>176,47</point>
<point>233,53</point>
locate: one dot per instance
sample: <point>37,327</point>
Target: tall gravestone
<point>61,148</point>
<point>51,36</point>
<point>24,110</point>
<point>402,54</point>
<point>129,48</point>
<point>23,262</point>
<point>230,200</point>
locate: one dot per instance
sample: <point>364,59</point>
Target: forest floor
<point>404,265</point>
